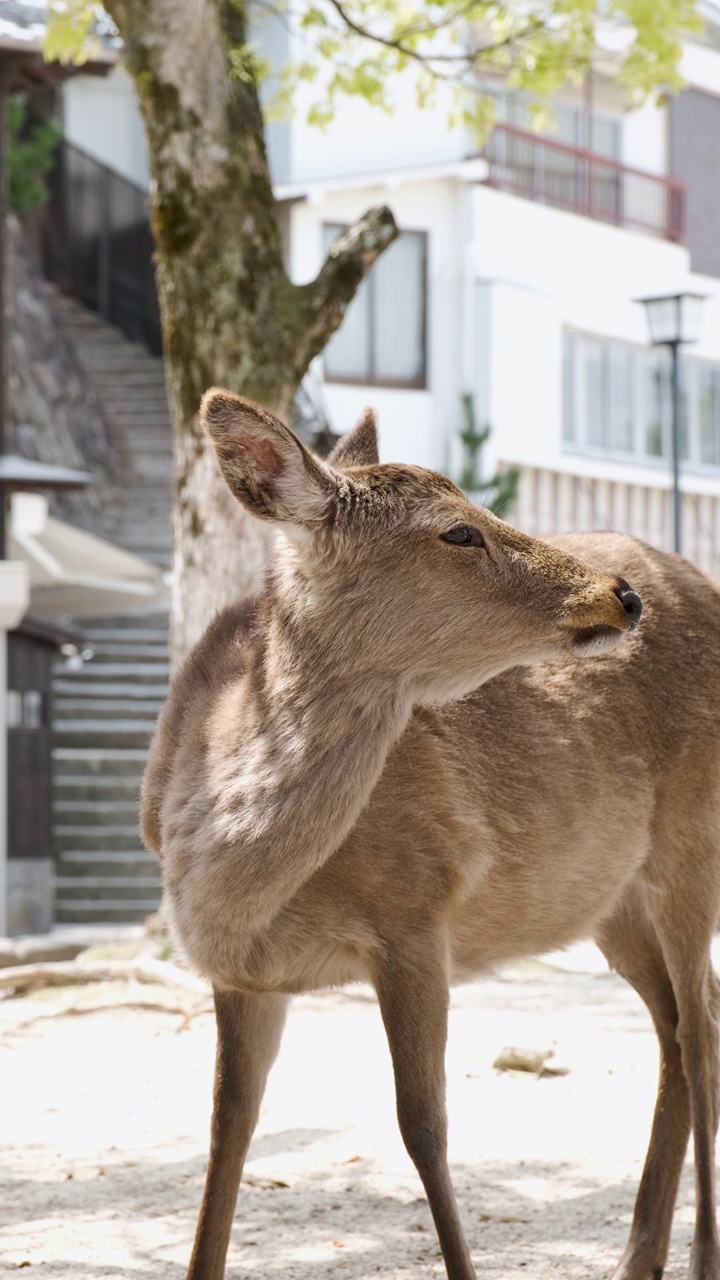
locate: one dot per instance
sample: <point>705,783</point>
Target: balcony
<point>541,169</point>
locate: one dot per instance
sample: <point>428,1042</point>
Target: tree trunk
<point>230,315</point>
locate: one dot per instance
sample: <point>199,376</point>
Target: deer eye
<point>464,535</point>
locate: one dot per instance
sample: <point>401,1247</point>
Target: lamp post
<point>673,320</point>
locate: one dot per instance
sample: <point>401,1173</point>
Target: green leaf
<point>30,156</point>
<point>537,47</point>
<point>67,36</point>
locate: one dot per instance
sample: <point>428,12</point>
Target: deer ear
<point>263,463</point>
<point>359,448</point>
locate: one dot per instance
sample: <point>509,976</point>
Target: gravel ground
<point>104,1122</point>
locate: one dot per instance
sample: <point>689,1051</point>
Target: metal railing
<point>532,165</point>
<point>96,243</point>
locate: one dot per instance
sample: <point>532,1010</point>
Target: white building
<point>515,281</point>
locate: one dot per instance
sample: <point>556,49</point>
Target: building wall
<point>695,160</point>
<point>506,277</point>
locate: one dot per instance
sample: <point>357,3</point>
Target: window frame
<point>372,379</point>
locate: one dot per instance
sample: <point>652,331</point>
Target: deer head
<point>397,573</point>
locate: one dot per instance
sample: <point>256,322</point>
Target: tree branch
<point>398,43</point>
<point>348,262</point>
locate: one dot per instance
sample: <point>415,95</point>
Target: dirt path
<point>104,1119</point>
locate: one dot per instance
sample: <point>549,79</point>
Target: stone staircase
<point>105,711</point>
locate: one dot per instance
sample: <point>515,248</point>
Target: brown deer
<point>392,767</point>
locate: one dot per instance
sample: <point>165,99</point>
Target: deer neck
<point>294,762</point>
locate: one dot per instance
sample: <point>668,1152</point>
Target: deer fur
<point>410,760</point>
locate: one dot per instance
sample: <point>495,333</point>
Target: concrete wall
<point>102,117</point>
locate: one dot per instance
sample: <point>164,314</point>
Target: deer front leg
<point>249,1028</point>
<point>412,988</point>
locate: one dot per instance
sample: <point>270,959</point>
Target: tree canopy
<point>358,48</point>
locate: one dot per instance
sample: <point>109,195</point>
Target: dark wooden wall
<point>29,746</point>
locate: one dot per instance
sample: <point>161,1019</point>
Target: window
<point>616,400</point>
<point>25,709</point>
<point>709,414</point>
<point>382,339</point>
<point>572,125</point>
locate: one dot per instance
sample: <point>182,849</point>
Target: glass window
<point>14,709</point>
<point>399,303</point>
<point>709,414</point>
<point>348,353</point>
<point>617,399</point>
<point>596,407</point>
<point>382,338</point>
<point>567,125</point>
<point>32,709</point>
<point>621,367</point>
<point>569,423</point>
<point>25,709</point>
<point>604,137</point>
<point>654,413</point>
<point>684,411</point>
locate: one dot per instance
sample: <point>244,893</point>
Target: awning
<point>23,473</point>
<point>75,574</point>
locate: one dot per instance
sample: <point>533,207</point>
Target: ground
<point>104,1122</point>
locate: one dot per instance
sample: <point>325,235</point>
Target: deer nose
<point>630,601</point>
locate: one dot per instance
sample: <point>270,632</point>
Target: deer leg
<point>630,944</point>
<point>249,1028</point>
<point>413,992</point>
<point>686,947</point>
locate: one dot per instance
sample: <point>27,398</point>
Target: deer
<point>431,745</point>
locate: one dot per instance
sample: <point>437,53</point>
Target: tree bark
<point>231,316</point>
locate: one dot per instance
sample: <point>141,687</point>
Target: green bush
<point>498,492</point>
<point>31,152</point>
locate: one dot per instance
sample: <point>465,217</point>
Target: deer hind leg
<point>412,989</point>
<point>249,1028</point>
<point>685,931</point>
<point>631,946</point>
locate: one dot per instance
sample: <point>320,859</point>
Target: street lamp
<point>673,320</point>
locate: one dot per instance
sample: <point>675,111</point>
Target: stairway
<point>105,711</point>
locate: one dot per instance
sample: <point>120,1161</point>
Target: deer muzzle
<point>599,626</point>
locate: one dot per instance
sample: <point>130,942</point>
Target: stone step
<point>96,838</point>
<point>98,887</point>
<point>153,438</point>
<point>147,671</point>
<point>95,788</point>
<point>151,468</point>
<point>107,711</point>
<point>141,417</point>
<point>112,862</point>
<point>127,622</point>
<point>105,733</point>
<point>79,910</point>
<point>88,334</point>
<point>118,398</point>
<point>136,633</point>
<point>137,376</point>
<point>87,689</point>
<point>154,374</point>
<point>98,761</point>
<point>118,649</point>
<point>75,709</point>
<point>96,813</point>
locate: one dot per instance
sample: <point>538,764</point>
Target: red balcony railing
<point>532,165</point>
